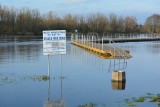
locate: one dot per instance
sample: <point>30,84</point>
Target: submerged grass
<point>13,79</point>
<point>129,102</point>
<point>155,98</point>
<point>140,99</point>
<point>88,105</point>
<point>149,97</point>
<point>40,78</point>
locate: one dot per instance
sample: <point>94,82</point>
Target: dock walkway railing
<point>132,37</point>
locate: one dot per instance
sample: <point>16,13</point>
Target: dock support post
<point>92,41</point>
<point>102,43</point>
<point>82,39</point>
<point>118,76</point>
<point>110,45</point>
<point>118,80</point>
<point>87,40</point>
<point>48,66</point>
<point>71,38</point>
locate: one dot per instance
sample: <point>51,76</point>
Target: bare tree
<point>70,22</point>
<point>113,23</point>
<point>152,24</point>
<point>26,21</point>
<point>130,24</point>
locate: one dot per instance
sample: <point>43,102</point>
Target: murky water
<point>86,78</point>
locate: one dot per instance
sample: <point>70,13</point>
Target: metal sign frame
<point>54,42</point>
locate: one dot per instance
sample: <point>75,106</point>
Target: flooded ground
<point>86,79</point>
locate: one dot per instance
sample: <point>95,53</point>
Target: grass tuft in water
<point>40,78</point>
<point>88,105</point>
<point>149,97</point>
<point>149,94</point>
<point>140,99</point>
<point>129,102</point>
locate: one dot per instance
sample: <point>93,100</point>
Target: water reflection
<point>9,39</point>
<point>118,85</point>
<point>82,56</point>
<point>26,51</point>
<point>118,74</point>
<point>98,61</point>
<point>81,81</point>
<point>117,64</point>
<point>55,103</point>
<point>154,48</point>
<point>101,63</point>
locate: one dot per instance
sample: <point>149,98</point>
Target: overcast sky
<point>141,9</point>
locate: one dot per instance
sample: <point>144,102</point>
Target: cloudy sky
<point>141,9</point>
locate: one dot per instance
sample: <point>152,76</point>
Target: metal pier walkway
<point>132,38</point>
<point>100,49</point>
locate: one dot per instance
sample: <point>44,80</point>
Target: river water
<point>85,78</point>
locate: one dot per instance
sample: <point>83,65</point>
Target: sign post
<point>48,66</point>
<point>54,43</point>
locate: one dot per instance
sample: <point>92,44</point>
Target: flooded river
<point>85,78</point>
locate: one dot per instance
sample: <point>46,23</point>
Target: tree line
<point>31,22</point>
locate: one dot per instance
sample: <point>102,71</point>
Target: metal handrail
<point>116,47</point>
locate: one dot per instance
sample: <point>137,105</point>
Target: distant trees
<point>152,24</point>
<point>113,23</point>
<point>70,22</point>
<point>28,22</point>
<point>7,20</point>
<point>131,24</point>
<point>82,25</point>
<point>32,22</point>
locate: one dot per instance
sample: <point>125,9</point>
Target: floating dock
<point>102,50</point>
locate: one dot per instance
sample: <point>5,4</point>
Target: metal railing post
<point>87,40</point>
<point>110,45</point>
<point>84,40</point>
<point>92,41</point>
<point>102,43</point>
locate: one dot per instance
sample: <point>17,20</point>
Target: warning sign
<point>54,42</point>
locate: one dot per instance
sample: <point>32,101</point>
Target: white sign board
<point>54,42</point>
